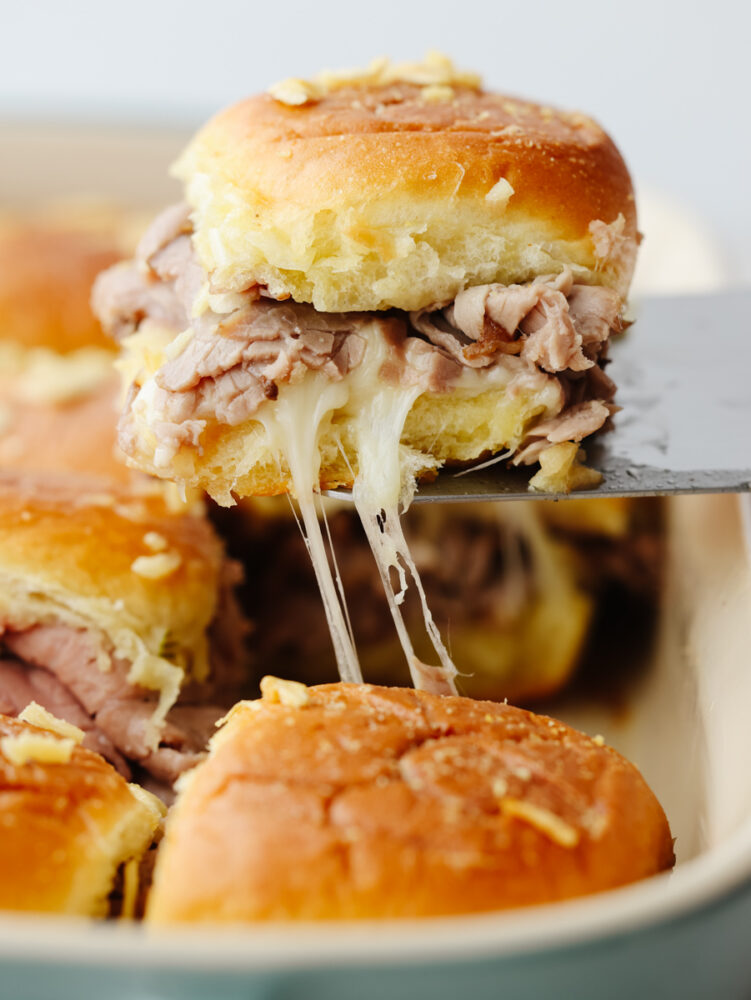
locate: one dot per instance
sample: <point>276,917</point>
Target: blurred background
<point>670,81</point>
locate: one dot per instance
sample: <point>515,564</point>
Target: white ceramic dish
<point>686,726</point>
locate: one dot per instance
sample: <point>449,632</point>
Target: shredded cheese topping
<point>42,719</point>
<point>152,802</point>
<point>154,541</point>
<point>290,693</point>
<point>437,93</point>
<point>26,747</point>
<point>552,826</point>
<point>42,376</point>
<point>500,192</point>
<point>157,566</point>
<point>436,74</point>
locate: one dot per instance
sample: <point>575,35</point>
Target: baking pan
<point>685,724</point>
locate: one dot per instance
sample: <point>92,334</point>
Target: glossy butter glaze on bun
<point>353,801</point>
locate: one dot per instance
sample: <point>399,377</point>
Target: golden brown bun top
<point>346,801</point>
<point>100,556</point>
<point>65,825</point>
<point>58,387</point>
<point>76,435</point>
<point>395,137</point>
<point>47,267</point>
<point>367,172</point>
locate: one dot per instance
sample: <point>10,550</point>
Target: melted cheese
<point>294,423</point>
<point>385,481</point>
<point>43,377</point>
<point>372,413</point>
<point>562,470</point>
<point>157,674</point>
<point>130,889</point>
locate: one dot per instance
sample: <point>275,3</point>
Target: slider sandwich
<point>116,600</point>
<point>73,833</point>
<point>374,274</point>
<point>356,802</point>
<point>117,615</point>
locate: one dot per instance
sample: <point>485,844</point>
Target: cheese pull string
<point>384,534</point>
<point>385,482</point>
<point>298,416</point>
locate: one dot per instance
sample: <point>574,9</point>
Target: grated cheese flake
<point>500,192</point>
<point>38,747</point>
<point>156,567</point>
<point>291,693</point>
<point>38,716</point>
<point>552,826</point>
<point>154,541</point>
<point>152,802</point>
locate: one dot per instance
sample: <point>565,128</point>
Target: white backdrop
<point>671,81</point>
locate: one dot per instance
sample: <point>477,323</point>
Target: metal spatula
<point>683,372</point>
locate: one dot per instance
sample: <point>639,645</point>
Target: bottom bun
<point>453,429</point>
<point>353,801</point>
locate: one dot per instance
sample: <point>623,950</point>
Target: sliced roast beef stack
<point>244,346</point>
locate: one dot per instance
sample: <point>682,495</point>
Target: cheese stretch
<point>363,414</point>
<point>384,484</point>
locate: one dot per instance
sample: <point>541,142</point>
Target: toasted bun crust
<point>77,435</point>
<point>66,827</point>
<point>58,388</point>
<point>377,191</point>
<point>46,273</point>
<point>125,565</point>
<point>357,802</point>
<point>241,461</point>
